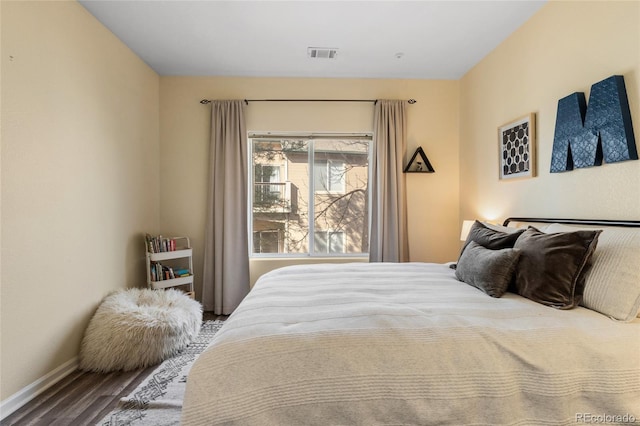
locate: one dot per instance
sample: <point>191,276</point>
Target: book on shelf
<point>181,273</point>
<point>159,244</point>
<point>160,272</point>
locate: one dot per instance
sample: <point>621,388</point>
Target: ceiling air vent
<point>322,52</point>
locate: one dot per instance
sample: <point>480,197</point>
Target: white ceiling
<point>438,39</point>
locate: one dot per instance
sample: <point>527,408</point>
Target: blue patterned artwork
<point>584,137</point>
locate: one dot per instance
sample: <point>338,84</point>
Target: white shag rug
<point>157,401</point>
<point>137,328</point>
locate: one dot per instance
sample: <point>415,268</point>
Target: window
<point>312,193</point>
<point>329,175</point>
<point>266,241</point>
<point>267,183</point>
<point>329,242</point>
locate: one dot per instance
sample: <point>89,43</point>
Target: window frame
<point>307,137</point>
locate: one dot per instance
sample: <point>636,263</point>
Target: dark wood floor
<point>82,398</point>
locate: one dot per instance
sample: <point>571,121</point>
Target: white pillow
<point>612,285</point>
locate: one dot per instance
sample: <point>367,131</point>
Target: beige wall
<point>564,48</point>
<point>433,124</point>
<point>79,179</point>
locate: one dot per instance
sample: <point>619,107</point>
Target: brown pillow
<point>488,270</point>
<point>491,238</point>
<point>552,266</point>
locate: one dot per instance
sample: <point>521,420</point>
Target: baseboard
<point>26,394</point>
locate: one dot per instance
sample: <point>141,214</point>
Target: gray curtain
<point>226,252</point>
<point>389,237</point>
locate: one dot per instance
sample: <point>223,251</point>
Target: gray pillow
<point>489,270</point>
<point>552,267</point>
<point>491,238</point>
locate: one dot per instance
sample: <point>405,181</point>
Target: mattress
<point>409,344</point>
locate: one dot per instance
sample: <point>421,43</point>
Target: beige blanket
<point>408,344</point>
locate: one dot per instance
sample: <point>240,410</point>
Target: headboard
<point>588,222</point>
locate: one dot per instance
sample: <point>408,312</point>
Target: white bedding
<point>385,343</point>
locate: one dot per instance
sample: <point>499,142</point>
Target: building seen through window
<point>310,195</point>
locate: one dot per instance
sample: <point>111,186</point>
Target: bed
<point>411,344</point>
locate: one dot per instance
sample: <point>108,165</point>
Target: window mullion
<point>312,189</point>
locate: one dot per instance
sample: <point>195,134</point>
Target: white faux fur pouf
<point>137,328</point>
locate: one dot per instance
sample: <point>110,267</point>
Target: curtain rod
<point>246,101</point>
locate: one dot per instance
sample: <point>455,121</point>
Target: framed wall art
<point>517,142</point>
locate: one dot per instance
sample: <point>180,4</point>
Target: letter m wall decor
<point>585,136</point>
